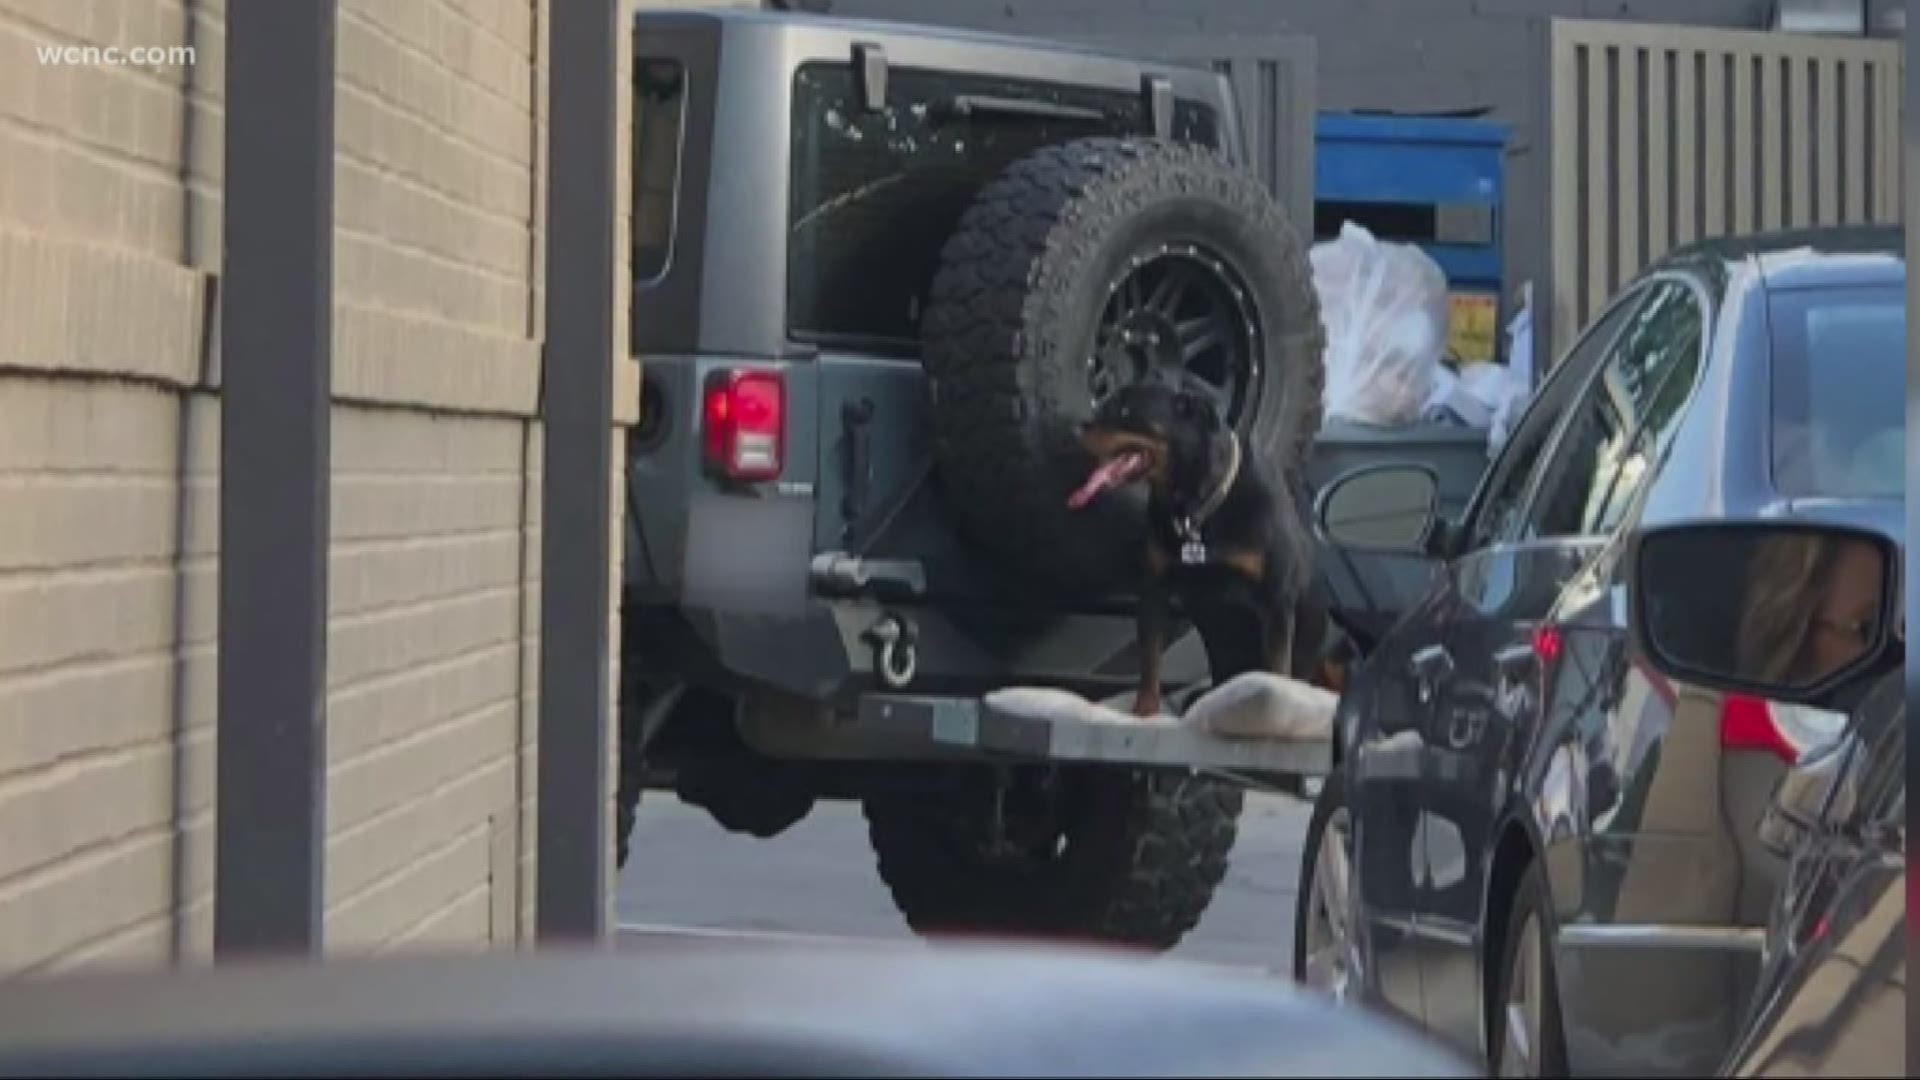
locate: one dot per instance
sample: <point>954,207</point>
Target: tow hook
<point>895,656</point>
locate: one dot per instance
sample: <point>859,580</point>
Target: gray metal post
<point>1910,211</point>
<point>1910,208</point>
<point>277,277</point>
<point>1541,141</point>
<point>574,797</point>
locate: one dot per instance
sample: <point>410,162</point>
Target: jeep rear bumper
<point>831,652</point>
<point>923,727</point>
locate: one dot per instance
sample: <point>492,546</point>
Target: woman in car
<point>1811,608</point>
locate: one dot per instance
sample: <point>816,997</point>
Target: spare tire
<point>1086,266</point>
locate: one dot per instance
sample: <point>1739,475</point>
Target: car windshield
<point>1839,392</point>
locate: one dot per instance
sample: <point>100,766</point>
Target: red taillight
<point>745,424</point>
<point>1548,645</point>
<point>1819,932</point>
<point>1746,723</point>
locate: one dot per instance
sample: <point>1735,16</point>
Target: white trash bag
<point>1454,402</point>
<point>1499,390</point>
<point>1385,307</point>
<point>1519,367</point>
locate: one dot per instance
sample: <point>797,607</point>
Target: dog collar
<point>1189,526</point>
<point>1219,494</point>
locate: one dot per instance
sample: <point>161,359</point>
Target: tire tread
<point>1147,854</point>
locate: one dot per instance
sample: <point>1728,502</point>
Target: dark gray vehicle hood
<point>705,1008</point>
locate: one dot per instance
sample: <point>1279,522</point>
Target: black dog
<point>1225,536</point>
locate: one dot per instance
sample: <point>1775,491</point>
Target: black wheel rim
<point>1179,310</point>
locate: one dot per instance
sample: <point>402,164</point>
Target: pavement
<point>689,876</point>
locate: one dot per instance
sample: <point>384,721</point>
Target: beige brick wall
<point>106,669</point>
<point>423,666</point>
<point>109,424</point>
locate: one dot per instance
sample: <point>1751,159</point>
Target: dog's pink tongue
<point>1111,475</point>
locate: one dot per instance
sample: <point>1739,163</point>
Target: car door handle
<point>1432,666</point>
<point>1513,663</point>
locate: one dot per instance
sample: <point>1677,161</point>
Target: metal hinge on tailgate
<point>852,573</point>
<point>1156,93</point>
<point>870,69</point>
<point>856,430</point>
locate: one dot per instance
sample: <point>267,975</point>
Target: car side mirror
<point>1390,508</point>
<point>1787,611</point>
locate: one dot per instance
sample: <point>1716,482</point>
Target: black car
<point>1532,843</point>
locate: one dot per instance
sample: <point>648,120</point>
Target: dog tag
<point>1193,553</point>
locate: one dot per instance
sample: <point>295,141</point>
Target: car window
<point>659,115</point>
<point>1839,425</point>
<point>1624,420</point>
<point>1496,515</point>
<point>1663,371</point>
<point>875,195</point>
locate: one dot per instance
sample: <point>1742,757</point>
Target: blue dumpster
<point>1437,182</point>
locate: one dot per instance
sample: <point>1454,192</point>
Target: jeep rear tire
<point>1127,858</point>
<point>1046,298</point>
<point>630,771</point>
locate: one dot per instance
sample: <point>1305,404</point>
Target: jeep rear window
<point>874,195</point>
<point>659,112</point>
